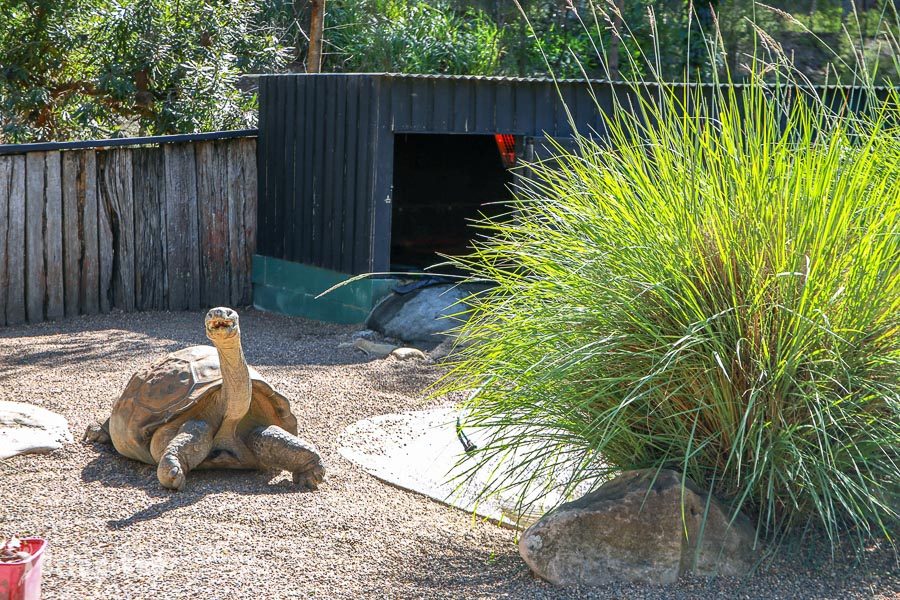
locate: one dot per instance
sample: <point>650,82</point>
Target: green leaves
<point>98,68</point>
<point>410,37</point>
<point>713,289</point>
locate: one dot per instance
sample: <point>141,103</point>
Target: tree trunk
<point>847,7</point>
<point>316,27</point>
<point>613,62</point>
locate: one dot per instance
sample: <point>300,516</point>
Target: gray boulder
<point>25,428</point>
<point>631,529</point>
<point>423,315</point>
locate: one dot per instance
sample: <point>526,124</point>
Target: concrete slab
<point>26,428</point>
<point>420,451</point>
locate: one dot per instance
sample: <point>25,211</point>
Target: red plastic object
<point>22,580</point>
<point>506,144</point>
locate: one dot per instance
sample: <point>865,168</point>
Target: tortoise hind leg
<point>277,449</point>
<point>97,432</point>
<point>186,450</point>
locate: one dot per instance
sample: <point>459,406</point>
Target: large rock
<point>422,315</point>
<point>27,428</point>
<point>631,528</point>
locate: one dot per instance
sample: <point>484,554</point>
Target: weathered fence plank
<point>53,238</point>
<point>248,238</point>
<point>150,229</point>
<point>241,218</point>
<point>12,199</point>
<point>71,167</point>
<point>83,231</point>
<point>35,281</point>
<point>235,197</point>
<point>212,203</point>
<point>86,190</point>
<point>79,201</point>
<point>105,253</point>
<point>5,175</point>
<point>182,237</point>
<point>117,206</point>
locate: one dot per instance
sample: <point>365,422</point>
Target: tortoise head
<point>222,325</point>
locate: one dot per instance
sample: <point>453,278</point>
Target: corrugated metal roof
<point>510,79</point>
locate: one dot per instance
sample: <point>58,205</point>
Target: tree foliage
<point>100,68</point>
<point>565,38</point>
<point>412,37</point>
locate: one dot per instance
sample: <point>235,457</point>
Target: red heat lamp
<point>506,144</point>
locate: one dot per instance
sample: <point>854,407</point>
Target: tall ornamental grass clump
<point>713,287</point>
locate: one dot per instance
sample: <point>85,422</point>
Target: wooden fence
<point>170,226</point>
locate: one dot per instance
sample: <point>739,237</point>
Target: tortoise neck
<point>235,381</point>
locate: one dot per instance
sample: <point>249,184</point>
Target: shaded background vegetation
<point>72,69</point>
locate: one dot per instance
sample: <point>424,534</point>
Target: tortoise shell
<point>178,385</point>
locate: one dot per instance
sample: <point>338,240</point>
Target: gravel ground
<point>115,532</point>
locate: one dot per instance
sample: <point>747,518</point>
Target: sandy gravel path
<point>116,534</point>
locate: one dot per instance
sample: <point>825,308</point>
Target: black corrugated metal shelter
<point>326,146</point>
<point>326,160</point>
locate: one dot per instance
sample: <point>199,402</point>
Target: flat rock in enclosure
<point>25,428</point>
<point>641,526</point>
<point>423,314</point>
<point>420,451</point>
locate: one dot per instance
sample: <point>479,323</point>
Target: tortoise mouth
<point>219,323</point>
<point>220,329</point>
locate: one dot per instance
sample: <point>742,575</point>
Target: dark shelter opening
<point>441,183</point>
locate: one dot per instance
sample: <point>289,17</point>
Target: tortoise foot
<point>170,473</point>
<point>310,479</point>
<point>277,449</point>
<point>187,449</point>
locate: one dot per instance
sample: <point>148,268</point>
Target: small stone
<point>631,528</point>
<point>374,348</point>
<point>408,353</point>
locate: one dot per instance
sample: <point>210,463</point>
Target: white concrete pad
<point>420,451</point>
<point>26,428</point>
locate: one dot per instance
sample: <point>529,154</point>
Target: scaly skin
<point>277,449</point>
<point>186,450</point>
<point>97,432</point>
<point>236,393</point>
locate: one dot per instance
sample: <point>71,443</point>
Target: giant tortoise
<point>204,407</point>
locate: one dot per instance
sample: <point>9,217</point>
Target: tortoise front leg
<point>277,449</point>
<point>97,432</point>
<point>186,450</point>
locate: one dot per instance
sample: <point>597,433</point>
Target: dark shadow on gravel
<point>450,567</point>
<point>804,569</point>
<point>269,339</point>
<point>77,351</point>
<point>115,471</point>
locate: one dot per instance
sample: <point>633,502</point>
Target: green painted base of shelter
<point>291,288</point>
